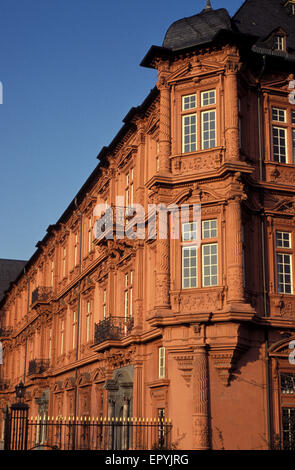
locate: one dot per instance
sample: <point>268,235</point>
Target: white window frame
<point>192,145</point>
<point>283,233</point>
<point>190,98</point>
<point>284,273</point>
<point>74,326</point>
<point>207,92</point>
<point>279,42</point>
<point>88,320</point>
<point>89,234</point>
<point>209,112</point>
<point>210,265</point>
<point>209,229</point>
<point>161,362</point>
<point>278,111</point>
<point>280,154</point>
<point>62,333</point>
<point>192,279</point>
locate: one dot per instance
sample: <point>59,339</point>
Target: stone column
<point>138,399</point>
<point>162,274</point>
<point>234,246</point>
<point>200,400</point>
<point>165,124</point>
<point>232,112</point>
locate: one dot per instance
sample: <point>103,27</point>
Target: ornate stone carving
<point>200,400</point>
<point>185,365</point>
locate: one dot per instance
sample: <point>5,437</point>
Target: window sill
<point>159,383</point>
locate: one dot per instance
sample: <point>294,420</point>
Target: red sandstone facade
<point>209,346</point>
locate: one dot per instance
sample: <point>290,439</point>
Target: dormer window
<point>279,42</point>
<point>290,7</point>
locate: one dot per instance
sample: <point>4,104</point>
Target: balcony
<point>113,224</point>
<point>112,328</point>
<point>5,332</point>
<point>41,295</point>
<point>38,366</point>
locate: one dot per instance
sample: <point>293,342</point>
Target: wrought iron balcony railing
<point>113,223</point>
<point>5,331</point>
<point>41,294</point>
<point>112,328</point>
<point>38,366</point>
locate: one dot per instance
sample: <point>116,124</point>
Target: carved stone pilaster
<point>164,126</point>
<point>231,110</point>
<point>162,275</point>
<point>234,250</point>
<point>200,400</point>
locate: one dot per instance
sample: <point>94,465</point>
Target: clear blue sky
<point>70,73</point>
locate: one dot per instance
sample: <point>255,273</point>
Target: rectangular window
<point>189,133</point>
<point>128,294</point>
<point>74,333</point>
<point>76,250</point>
<point>89,234</point>
<point>62,332</point>
<point>161,362</point>
<point>283,239</point>
<point>189,231</point>
<point>279,144</point>
<point>129,189</point>
<point>50,344</point>
<point>293,117</point>
<point>88,321</point>
<point>288,383</point>
<point>209,228</point>
<point>288,421</point>
<point>279,43</point>
<point>278,114</point>
<point>104,306</point>
<point>189,267</point>
<point>189,102</point>
<point>208,129</point>
<point>51,273</point>
<point>208,98</point>
<point>64,262</point>
<point>284,273</point>
<point>293,146</point>
<point>209,265</point>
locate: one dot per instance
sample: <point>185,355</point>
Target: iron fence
<point>86,433</point>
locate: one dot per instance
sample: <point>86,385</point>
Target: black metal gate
<point>16,427</point>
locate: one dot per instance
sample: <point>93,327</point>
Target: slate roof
<point>262,17</point>
<point>9,270</point>
<point>253,26</point>
<point>197,29</point>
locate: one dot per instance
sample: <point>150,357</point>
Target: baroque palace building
<point>201,334</point>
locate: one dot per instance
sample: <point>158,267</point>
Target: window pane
<point>284,268</point>
<point>208,129</point>
<point>279,145</point>
<point>209,228</point>
<point>283,239</point>
<point>278,114</point>
<point>208,98</point>
<point>189,134</point>
<point>209,265</point>
<point>189,269</point>
<point>189,102</point>
<point>288,422</point>
<point>189,231</point>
